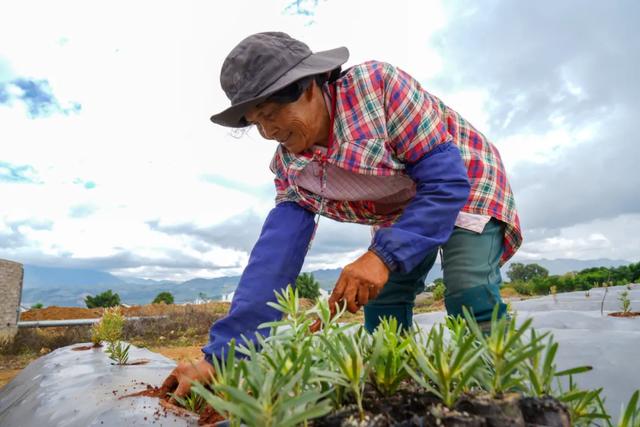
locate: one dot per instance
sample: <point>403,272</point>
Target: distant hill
<point>69,287</point>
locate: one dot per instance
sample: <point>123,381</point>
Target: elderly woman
<point>366,145</point>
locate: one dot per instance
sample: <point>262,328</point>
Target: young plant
<point>625,302</point>
<point>278,385</point>
<point>268,397</point>
<point>631,415</point>
<point>389,356</point>
<point>444,368</point>
<point>193,402</point>
<point>346,354</point>
<point>585,406</point>
<point>228,373</point>
<point>109,329</point>
<point>542,369</point>
<point>96,337</point>
<point>118,352</point>
<point>111,325</point>
<point>505,352</point>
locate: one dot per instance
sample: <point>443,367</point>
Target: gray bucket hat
<point>264,63</point>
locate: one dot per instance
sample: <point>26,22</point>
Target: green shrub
<point>438,291</point>
<point>523,288</point>
<point>307,286</point>
<point>163,298</point>
<point>37,306</point>
<point>541,286</point>
<point>105,299</point>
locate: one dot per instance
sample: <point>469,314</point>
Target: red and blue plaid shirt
<point>384,120</point>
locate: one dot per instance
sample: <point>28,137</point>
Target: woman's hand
<point>180,379</point>
<point>359,282</point>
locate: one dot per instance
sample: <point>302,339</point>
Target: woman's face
<point>297,125</point>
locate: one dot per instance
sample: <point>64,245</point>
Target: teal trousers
<point>471,276</point>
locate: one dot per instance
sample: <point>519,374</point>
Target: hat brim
<point>316,63</point>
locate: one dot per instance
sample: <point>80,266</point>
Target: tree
<point>37,306</point>
<point>526,272</point>
<point>163,298</point>
<point>307,286</point>
<point>105,299</point>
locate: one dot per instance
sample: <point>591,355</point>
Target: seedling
<point>345,352</point>
<point>625,302</point>
<point>389,356</point>
<point>193,401</point>
<point>227,372</point>
<point>444,368</point>
<point>505,352</point>
<point>118,352</point>
<point>584,406</point>
<point>109,329</point>
<point>631,415</point>
<point>110,326</point>
<point>542,369</point>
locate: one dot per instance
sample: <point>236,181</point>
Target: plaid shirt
<point>384,120</point>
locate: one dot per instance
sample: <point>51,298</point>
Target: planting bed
<point>70,387</point>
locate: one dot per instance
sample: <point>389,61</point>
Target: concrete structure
<point>11,274</point>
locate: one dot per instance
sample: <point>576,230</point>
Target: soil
<point>138,362</point>
<point>64,313</point>
<point>623,314</point>
<point>83,347</point>
<point>208,416</point>
<point>412,408</point>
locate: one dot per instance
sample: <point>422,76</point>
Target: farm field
<point>190,325</point>
<point>581,323</point>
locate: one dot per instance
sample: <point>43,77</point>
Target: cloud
<point>303,8</point>
<point>598,179</point>
<point>334,242</point>
<point>17,174</point>
<point>560,82</point>
<point>14,233</point>
<point>36,95</point>
<point>610,238</point>
<point>265,190</point>
<point>240,232</point>
<point>81,211</point>
<point>544,62</point>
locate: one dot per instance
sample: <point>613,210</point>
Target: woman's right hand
<point>179,380</point>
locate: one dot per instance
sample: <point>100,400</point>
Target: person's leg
<point>398,296</point>
<point>472,273</point>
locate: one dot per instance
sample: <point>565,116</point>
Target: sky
<point>108,159</point>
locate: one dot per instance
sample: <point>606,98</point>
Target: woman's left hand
<point>359,282</point>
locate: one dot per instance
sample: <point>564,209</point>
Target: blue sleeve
<point>275,262</point>
<point>442,189</point>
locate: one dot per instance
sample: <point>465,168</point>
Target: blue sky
<point>108,159</point>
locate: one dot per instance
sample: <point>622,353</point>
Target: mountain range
<point>69,287</point>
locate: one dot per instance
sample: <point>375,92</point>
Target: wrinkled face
<point>297,125</point>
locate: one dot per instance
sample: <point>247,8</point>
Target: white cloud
<point>610,238</point>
